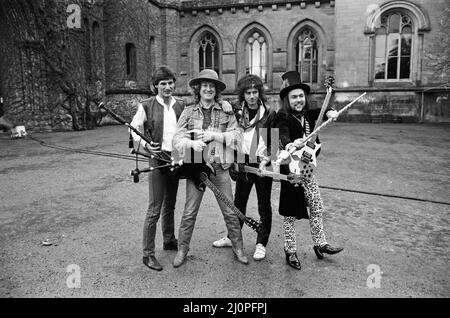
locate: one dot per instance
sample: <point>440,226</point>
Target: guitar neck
<point>221,196</point>
<point>322,112</point>
<point>271,174</point>
<point>319,127</point>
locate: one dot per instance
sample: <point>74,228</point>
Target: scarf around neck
<point>245,121</point>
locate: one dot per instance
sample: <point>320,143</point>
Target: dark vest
<point>154,126</point>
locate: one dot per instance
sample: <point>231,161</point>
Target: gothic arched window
<point>307,56</point>
<point>256,55</point>
<point>393,43</point>
<point>208,53</point>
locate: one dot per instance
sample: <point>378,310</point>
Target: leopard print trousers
<point>315,203</point>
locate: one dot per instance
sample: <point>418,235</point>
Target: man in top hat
<point>220,130</point>
<point>295,121</point>
<point>157,118</point>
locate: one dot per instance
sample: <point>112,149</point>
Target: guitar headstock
<point>255,225</point>
<point>329,83</point>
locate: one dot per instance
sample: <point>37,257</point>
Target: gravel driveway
<point>91,213</point>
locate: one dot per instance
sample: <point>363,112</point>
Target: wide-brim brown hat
<point>208,75</point>
<point>291,81</point>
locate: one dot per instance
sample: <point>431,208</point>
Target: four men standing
<point>211,129</point>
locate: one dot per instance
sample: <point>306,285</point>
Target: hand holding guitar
<point>263,167</point>
<point>297,144</point>
<point>207,136</point>
<point>332,114</point>
<point>283,156</point>
<point>197,145</point>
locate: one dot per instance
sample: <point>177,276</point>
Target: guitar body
<point>304,161</point>
<point>196,167</point>
<point>193,171</point>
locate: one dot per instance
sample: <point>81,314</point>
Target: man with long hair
<point>254,118</point>
<point>295,121</point>
<point>220,130</point>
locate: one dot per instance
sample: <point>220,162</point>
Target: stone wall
<point>140,23</point>
<point>389,101</point>
<point>278,20</point>
<point>166,33</point>
<point>32,75</point>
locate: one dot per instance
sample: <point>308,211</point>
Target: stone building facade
<point>396,51</point>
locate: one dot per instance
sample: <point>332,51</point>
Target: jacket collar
<point>161,101</point>
<point>214,106</point>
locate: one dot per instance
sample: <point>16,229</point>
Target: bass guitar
<point>252,223</point>
<point>200,173</point>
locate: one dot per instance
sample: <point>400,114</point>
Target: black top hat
<point>291,81</point>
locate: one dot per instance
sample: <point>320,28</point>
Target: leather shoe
<point>152,262</point>
<point>240,256</point>
<point>292,260</point>
<point>179,258</point>
<point>171,246</point>
<point>327,249</point>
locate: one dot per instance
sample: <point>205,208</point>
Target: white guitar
<point>304,161</point>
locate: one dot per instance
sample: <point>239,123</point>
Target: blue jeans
<point>193,200</point>
<point>163,188</point>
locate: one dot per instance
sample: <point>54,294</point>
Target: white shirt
<point>170,123</point>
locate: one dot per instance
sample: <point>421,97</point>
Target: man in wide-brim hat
<point>208,75</point>
<point>213,126</point>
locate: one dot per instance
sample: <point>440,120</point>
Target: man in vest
<point>157,118</point>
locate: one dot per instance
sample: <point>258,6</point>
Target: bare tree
<point>41,26</point>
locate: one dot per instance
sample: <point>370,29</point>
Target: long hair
<point>196,93</point>
<point>286,109</point>
<point>250,81</point>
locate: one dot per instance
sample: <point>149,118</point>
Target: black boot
<point>152,262</point>
<point>327,249</point>
<point>292,260</point>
